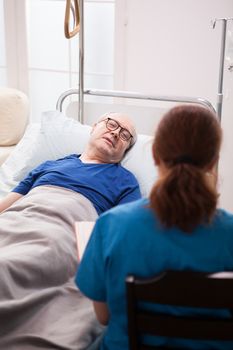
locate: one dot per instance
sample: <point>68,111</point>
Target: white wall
<point>169,47</point>
<point>2,48</point>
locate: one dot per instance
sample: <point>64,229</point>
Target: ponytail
<point>186,146</point>
<point>183,197</point>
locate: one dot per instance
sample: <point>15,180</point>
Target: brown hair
<point>187,142</point>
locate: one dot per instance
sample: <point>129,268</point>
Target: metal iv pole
<point>81,63</point>
<point>78,18</point>
<point>221,68</point>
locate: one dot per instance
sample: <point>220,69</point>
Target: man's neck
<point>94,155</point>
<point>85,158</point>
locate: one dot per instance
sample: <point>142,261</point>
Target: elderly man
<point>38,246</point>
<point>88,173</point>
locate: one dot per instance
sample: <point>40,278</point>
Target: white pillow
<point>58,136</point>
<point>55,137</point>
<point>140,162</point>
<point>17,159</point>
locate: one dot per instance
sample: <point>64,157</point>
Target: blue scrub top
<point>129,240</point>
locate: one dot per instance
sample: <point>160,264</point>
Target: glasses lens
<point>112,124</point>
<point>125,135</point>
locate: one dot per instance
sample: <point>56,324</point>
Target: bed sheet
<point>40,306</point>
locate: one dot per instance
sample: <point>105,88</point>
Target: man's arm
<point>7,201</point>
<point>101,311</point>
<point>24,186</point>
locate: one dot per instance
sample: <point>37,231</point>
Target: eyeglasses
<point>112,124</point>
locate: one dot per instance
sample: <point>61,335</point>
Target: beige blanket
<point>40,306</point>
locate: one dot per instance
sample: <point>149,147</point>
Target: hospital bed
<point>40,307</point>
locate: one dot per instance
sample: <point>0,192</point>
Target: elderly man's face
<point>112,144</point>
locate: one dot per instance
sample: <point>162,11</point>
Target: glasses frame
<point>118,126</point>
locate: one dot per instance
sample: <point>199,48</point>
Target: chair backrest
<point>179,288</point>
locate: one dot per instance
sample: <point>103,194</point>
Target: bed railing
<point>133,95</point>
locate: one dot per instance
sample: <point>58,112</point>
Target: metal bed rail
<point>133,95</point>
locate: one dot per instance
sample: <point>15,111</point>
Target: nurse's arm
<point>102,313</point>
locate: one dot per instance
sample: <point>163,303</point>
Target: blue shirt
<point>129,240</point>
<point>105,185</point>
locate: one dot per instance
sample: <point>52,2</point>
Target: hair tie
<point>184,159</point>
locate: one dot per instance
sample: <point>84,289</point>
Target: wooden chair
<point>179,288</point>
